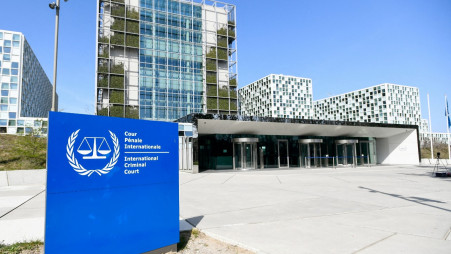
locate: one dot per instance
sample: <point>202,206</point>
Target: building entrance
<point>284,161</point>
<point>346,152</point>
<point>310,152</point>
<point>244,153</point>
<point>366,152</point>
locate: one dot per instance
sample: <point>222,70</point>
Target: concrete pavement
<point>384,209</point>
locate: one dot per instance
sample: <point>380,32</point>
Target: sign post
<point>112,185</point>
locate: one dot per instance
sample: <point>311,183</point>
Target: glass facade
<point>155,58</point>
<point>26,92</point>
<point>218,152</point>
<point>171,74</point>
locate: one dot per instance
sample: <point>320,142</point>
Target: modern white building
<point>279,95</point>
<point>26,91</point>
<point>164,59</point>
<point>384,103</point>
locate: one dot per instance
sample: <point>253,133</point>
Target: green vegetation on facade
<point>117,82</point>
<point>118,24</point>
<point>222,54</point>
<point>104,39</point>
<point>117,97</point>
<point>231,33</point>
<point>118,10</point>
<point>212,91</point>
<point>222,31</point>
<point>132,26</point>
<point>233,105</point>
<point>211,65</point>
<point>212,103</point>
<point>117,38</point>
<point>117,111</point>
<point>232,82</point>
<point>102,81</point>
<point>222,42</point>
<point>211,53</point>
<point>233,94</point>
<point>117,68</point>
<point>132,40</point>
<point>132,14</point>
<point>103,67</point>
<point>224,104</point>
<point>132,112</point>
<point>102,112</point>
<point>223,92</point>
<point>211,78</point>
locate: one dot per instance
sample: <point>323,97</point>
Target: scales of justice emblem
<point>89,146</point>
<point>92,148</point>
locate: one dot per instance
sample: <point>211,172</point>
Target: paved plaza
<point>383,209</point>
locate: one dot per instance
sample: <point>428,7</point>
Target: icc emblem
<point>93,148</point>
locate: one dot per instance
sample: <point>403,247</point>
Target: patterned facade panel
<point>278,96</point>
<point>385,103</point>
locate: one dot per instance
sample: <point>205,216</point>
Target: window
<point>16,37</point>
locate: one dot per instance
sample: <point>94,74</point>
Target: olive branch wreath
<point>79,168</point>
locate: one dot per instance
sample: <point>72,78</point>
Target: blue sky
<point>341,45</point>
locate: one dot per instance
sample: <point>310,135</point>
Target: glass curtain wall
<point>171,62</point>
<point>217,151</point>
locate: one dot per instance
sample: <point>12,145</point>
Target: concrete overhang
<point>208,126</point>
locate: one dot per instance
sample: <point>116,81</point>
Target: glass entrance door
<point>346,152</point>
<point>304,150</point>
<point>245,153</point>
<point>249,154</point>
<point>237,157</point>
<point>283,154</point>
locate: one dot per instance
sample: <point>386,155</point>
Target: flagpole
<point>430,129</point>
<point>447,127</point>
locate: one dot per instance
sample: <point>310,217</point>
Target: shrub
<point>232,82</point>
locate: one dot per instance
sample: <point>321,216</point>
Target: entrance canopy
<point>210,126</point>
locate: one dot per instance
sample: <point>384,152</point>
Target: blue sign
<point>112,185</point>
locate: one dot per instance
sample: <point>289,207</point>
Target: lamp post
<point>55,6</point>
